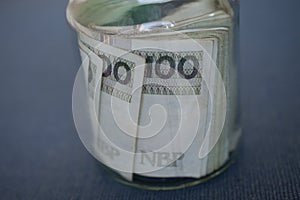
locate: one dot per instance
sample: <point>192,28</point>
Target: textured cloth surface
<point>41,156</point>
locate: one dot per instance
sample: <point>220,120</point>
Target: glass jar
<point>161,85</point>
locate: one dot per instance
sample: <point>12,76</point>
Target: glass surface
<point>113,20</point>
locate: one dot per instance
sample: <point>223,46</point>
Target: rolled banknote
<point>162,104</point>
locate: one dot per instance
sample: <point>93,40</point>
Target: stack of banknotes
<point>163,103</point>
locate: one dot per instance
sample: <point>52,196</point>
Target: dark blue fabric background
<point>41,156</point>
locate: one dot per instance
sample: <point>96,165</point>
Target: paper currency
<point>154,102</point>
<point>114,92</point>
